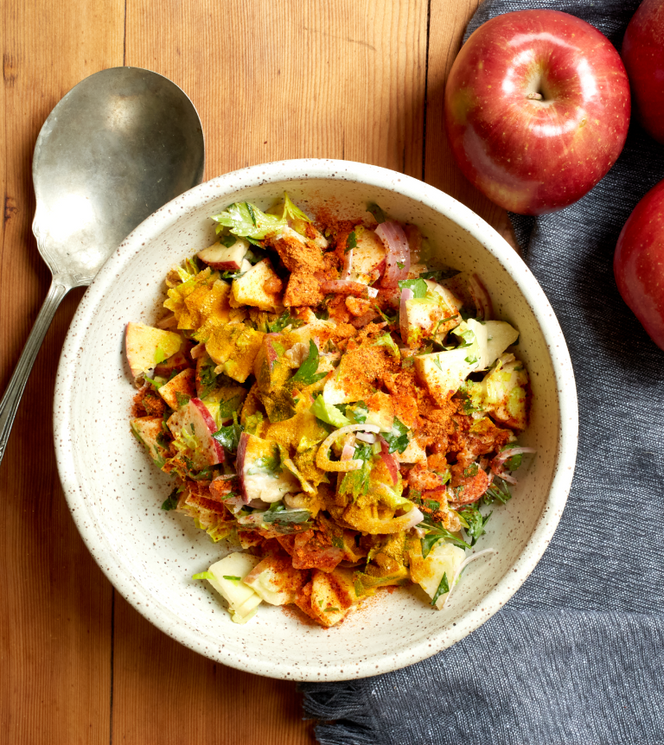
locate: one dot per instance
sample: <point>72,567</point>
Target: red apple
<point>643,55</point>
<point>537,109</point>
<point>638,263</point>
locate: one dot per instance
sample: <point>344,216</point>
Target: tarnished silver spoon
<point>118,146</point>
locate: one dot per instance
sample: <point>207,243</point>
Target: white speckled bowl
<point>115,492</point>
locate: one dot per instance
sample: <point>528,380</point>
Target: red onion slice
<point>389,460</point>
<point>349,287</point>
<point>397,258</point>
<point>406,294</point>
<point>504,455</point>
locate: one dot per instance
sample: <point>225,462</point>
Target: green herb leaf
<point>435,532</point>
<point>499,491</point>
<point>286,517</point>
<point>247,221</point>
<point>232,578</point>
<point>171,502</point>
<point>306,373</point>
<point>284,320</point>
<point>229,437</point>
<point>443,587</point>
<point>474,522</point>
<point>292,211</point>
<point>386,340</point>
<point>356,483</point>
<point>329,413</point>
<point>397,437</point>
<point>391,320</point>
<point>351,242</point>
<point>358,411</point>
<point>418,286</point>
<point>182,399</point>
<point>204,575</point>
<point>376,211</point>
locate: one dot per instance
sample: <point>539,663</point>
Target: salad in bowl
<point>335,407</point>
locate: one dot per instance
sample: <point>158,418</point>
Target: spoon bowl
<point>119,145</point>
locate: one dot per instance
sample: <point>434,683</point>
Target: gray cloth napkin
<point>577,655</point>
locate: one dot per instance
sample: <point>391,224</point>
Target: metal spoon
<point>118,146</point>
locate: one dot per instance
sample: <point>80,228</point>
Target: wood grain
<point>272,79</point>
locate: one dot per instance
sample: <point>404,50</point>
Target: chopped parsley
<point>418,286</point>
<point>397,437</point>
<point>473,521</point>
<point>306,373</point>
<point>376,211</point>
<point>171,502</point>
<point>443,588</point>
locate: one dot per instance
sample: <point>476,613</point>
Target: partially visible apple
<point>225,258</point>
<point>638,263</point>
<point>537,108</point>
<point>198,422</point>
<point>643,55</point>
<point>147,346</point>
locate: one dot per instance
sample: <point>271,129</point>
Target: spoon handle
<point>12,396</point>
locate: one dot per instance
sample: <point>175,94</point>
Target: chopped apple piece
<point>147,346</point>
<point>493,338</point>
<point>225,258</point>
<point>255,288</point>
<point>225,401</point>
<point>276,580</point>
<point>149,430</point>
<point>226,576</point>
<point>368,256</point>
<point>414,453</point>
<point>194,420</point>
<point>443,560</point>
<point>332,595</point>
<point>444,372</point>
<point>507,392</point>
<point>381,411</point>
<point>261,473</point>
<point>233,346</point>
<point>270,367</point>
<point>179,389</point>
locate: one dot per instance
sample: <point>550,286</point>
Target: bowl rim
<point>491,240</point>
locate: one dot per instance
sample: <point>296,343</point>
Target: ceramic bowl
<point>115,492</point>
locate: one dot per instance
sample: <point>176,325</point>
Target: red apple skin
<point>528,155</point>
<point>638,263</point>
<point>643,55</point>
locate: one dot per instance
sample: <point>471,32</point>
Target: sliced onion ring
<point>460,569</point>
<point>322,458</point>
<point>397,258</point>
<point>389,460</point>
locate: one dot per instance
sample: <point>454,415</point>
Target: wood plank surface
<point>353,79</point>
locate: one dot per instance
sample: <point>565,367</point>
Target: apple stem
<point>535,96</point>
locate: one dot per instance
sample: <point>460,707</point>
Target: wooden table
<point>354,79</point>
